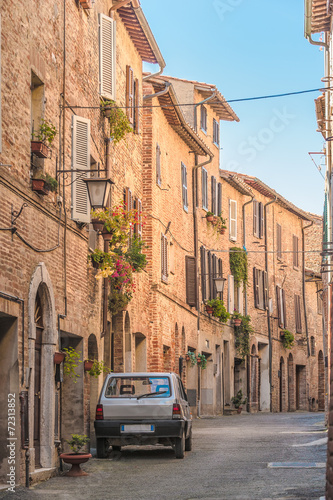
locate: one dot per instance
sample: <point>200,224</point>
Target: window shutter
<point>130,94</point>
<point>298,317</point>
<point>240,291</point>
<point>210,275</point>
<point>284,312</point>
<point>265,290</point>
<point>158,165</point>
<point>184,187</point>
<point>231,292</point>
<point>80,161</point>
<point>164,258</point>
<point>191,288</point>
<point>107,57</point>
<point>220,274</point>
<point>233,220</point>
<point>203,272</point>
<point>256,287</point>
<point>219,199</point>
<point>255,218</point>
<point>295,251</point>
<point>136,106</point>
<point>261,220</point>
<point>213,188</point>
<point>278,301</point>
<point>214,275</point>
<point>138,225</point>
<point>204,186</point>
<point>278,241</point>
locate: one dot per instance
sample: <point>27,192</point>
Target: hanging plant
<point>218,309</point>
<point>242,336</point>
<point>118,301</point>
<point>97,367</point>
<point>71,362</point>
<point>190,356</point>
<point>202,361</point>
<point>238,265</point>
<point>119,124</point>
<point>288,339</point>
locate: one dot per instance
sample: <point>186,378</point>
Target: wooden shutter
<point>191,282</point>
<point>164,258</point>
<point>203,272</point>
<point>261,220</point>
<point>278,242</point>
<point>204,177</point>
<point>158,165</point>
<point>107,57</point>
<point>256,218</point>
<point>216,132</point>
<point>184,186</point>
<point>80,161</point>
<point>130,94</point>
<point>233,220</point>
<point>278,301</point>
<point>231,294</point>
<point>210,274</point>
<point>213,189</point>
<point>219,199</point>
<point>220,274</point>
<point>214,274</point>
<point>240,291</point>
<point>138,225</point>
<point>137,106</point>
<point>298,317</point>
<point>256,287</point>
<point>283,303</point>
<point>265,277</point>
<point>295,251</point>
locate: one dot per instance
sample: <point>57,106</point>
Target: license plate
<point>137,428</point>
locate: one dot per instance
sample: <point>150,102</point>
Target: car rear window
<point>134,387</point>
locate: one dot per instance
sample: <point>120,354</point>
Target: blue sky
<point>252,48</point>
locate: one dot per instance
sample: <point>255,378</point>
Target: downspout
<point>267,311</point>
<point>244,242</point>
<point>158,94</point>
<point>303,285</point>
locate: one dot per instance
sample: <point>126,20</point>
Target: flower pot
<point>86,4</point>
<point>98,225</point>
<point>107,111</point>
<point>237,322</point>
<point>88,364</point>
<point>75,459</point>
<point>209,309</point>
<point>210,218</point>
<point>222,231</point>
<point>39,149</point>
<point>58,357</point>
<point>199,360</point>
<point>187,357</point>
<point>239,410</point>
<point>107,236</point>
<point>38,185</point>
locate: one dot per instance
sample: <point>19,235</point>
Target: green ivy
<point>238,265</point>
<point>119,124</point>
<point>219,310</point>
<point>242,336</point>
<point>288,339</point>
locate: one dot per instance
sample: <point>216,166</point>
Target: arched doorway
<point>93,389</point>
<point>254,378</point>
<point>281,385</point>
<point>321,382</point>
<point>291,384</point>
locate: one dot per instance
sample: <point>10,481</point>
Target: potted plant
<point>58,357</point>
<point>237,318</point>
<point>210,217</point>
<point>238,401</point>
<point>202,361</point>
<point>218,310</point>
<point>44,183</point>
<point>72,361</point>
<point>76,458</point>
<point>222,223</point>
<point>190,356</point>
<point>86,4</point>
<point>46,134</point>
<point>119,124</point>
<point>288,339</point>
<point>95,367</point>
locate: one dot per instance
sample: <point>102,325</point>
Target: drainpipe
<point>199,104</point>
<point>303,286</point>
<point>244,242</point>
<point>268,318</point>
<point>158,94</point>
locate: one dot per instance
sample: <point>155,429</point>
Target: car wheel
<point>116,448</point>
<point>180,446</point>
<point>102,447</point>
<point>188,441</point>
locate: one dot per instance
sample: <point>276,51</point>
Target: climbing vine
<point>242,336</point>
<point>238,265</point>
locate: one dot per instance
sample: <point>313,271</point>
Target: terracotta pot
<point>237,322</point>
<point>209,309</point>
<point>210,218</point>
<point>39,149</point>
<point>106,235</point>
<point>88,364</point>
<point>58,357</point>
<point>199,360</point>
<point>86,4</point>
<point>187,357</point>
<point>98,225</point>
<point>222,231</point>
<point>38,185</point>
<point>239,410</point>
<point>107,111</point>
<point>75,459</point>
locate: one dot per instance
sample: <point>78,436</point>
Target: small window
<point>295,252</point>
<point>138,224</point>
<point>158,165</point>
<point>319,287</point>
<point>312,346</point>
<point>278,241</point>
<point>298,317</point>
<point>184,187</point>
<point>260,289</point>
<point>214,195</point>
<point>281,305</point>
<point>231,294</point>
<point>258,219</point>
<point>233,220</point>
<point>164,258</point>
<point>203,120</point>
<point>191,282</point>
<point>216,133</point>
<point>204,182</point>
<point>130,93</point>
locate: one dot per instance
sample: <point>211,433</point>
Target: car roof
<point>142,374</point>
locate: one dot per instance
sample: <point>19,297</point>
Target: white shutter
<point>231,294</point>
<point>240,298</point>
<point>107,57</point>
<point>80,161</point>
<point>233,220</point>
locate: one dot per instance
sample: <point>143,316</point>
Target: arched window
<point>313,346</point>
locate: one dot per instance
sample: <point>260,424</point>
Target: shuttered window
<point>298,317</point>
<point>281,305</point>
<point>319,287</point>
<point>219,198</point>
<point>203,119</point>
<point>164,258</point>
<point>231,294</point>
<point>184,187</point>
<point>107,57</point>
<point>233,220</point>
<point>278,241</point>
<point>240,298</point>
<point>216,132</point>
<point>137,106</point>
<point>214,195</point>
<point>138,225</point>
<point>260,288</point>
<point>220,275</point>
<point>129,205</point>
<point>80,161</point>
<point>191,282</point>
<point>204,182</point>
<point>158,165</point>
<point>130,93</point>
<point>258,219</point>
<point>295,251</point>
<point>203,272</point>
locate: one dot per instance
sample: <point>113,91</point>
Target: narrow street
<point>235,458</point>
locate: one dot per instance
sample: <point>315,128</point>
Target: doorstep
<point>39,475</point>
<point>230,411</point>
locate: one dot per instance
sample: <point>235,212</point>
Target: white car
<point>143,409</point>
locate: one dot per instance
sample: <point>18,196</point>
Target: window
<point>214,195</point>
<point>203,120</point>
<point>258,219</point>
<point>260,286</point>
<point>191,282</point>
<point>233,220</point>
<point>203,273</point>
<point>278,242</point>
<point>312,346</point>
<point>138,225</point>
<point>184,187</point>
<point>130,94</point>
<point>295,251</point>
<point>164,258</point>
<point>211,267</point>
<point>136,106</point>
<point>129,205</point>
<point>319,287</point>
<point>172,263</point>
<point>216,133</point>
<point>298,317</point>
<point>107,57</point>
<point>281,305</point>
<point>158,165</point>
<point>204,182</point>
<point>219,198</point>
<point>231,294</point>
<point>80,161</point>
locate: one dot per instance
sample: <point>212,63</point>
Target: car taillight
<point>99,412</point>
<point>176,411</point>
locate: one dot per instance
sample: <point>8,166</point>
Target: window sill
<point>203,130</point>
<point>164,280</point>
<point>216,145</point>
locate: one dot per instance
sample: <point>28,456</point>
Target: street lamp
<point>98,191</point>
<point>219,284</point>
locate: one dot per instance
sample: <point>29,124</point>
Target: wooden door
<point>38,360</point>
